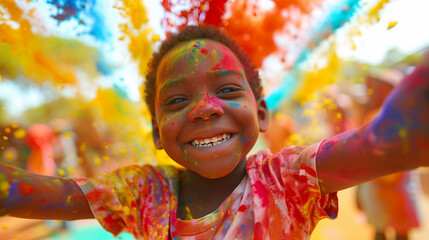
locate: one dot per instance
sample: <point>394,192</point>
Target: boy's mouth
<point>212,141</point>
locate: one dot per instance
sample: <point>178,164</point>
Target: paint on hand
<point>4,186</point>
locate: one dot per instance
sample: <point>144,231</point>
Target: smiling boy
<point>207,118</point>
<point>205,99</point>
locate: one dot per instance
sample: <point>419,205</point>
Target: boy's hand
<point>27,195</point>
<point>397,139</point>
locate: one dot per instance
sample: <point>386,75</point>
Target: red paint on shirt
<point>243,208</point>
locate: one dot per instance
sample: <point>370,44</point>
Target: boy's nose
<point>205,108</point>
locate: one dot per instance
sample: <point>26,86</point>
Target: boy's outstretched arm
<point>27,195</point>
<point>397,139</point>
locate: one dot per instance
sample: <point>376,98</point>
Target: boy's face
<point>206,116</point>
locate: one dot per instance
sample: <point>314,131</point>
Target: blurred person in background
<point>40,139</point>
<point>46,147</point>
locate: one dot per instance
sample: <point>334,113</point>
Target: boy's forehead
<point>192,52</point>
<point>201,46</point>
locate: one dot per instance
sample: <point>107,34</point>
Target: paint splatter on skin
<point>4,186</point>
<point>39,197</point>
<point>205,101</point>
<point>396,139</point>
<point>234,104</point>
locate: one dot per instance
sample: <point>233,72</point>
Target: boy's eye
<point>226,90</point>
<point>175,100</point>
<point>229,91</point>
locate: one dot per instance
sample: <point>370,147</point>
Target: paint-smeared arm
<point>397,139</point>
<point>27,195</point>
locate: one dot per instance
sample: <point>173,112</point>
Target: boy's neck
<point>199,196</point>
<point>197,181</point>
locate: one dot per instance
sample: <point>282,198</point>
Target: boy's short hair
<point>190,33</point>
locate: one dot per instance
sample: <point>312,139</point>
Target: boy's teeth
<point>213,141</point>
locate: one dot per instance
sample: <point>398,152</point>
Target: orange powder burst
<point>255,30</point>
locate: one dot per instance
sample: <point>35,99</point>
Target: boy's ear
<point>155,135</point>
<point>262,115</point>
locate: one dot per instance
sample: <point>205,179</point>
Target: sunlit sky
<point>408,36</point>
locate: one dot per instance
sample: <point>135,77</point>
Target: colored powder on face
<point>177,54</point>
<point>194,54</point>
<point>204,101</point>
<point>234,104</point>
<point>227,60</point>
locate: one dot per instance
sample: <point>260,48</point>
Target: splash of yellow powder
<point>392,25</point>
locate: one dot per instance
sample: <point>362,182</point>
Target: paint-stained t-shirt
<point>279,198</point>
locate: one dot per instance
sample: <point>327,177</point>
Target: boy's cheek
<point>166,123</point>
<point>171,120</point>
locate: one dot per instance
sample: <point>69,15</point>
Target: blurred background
<point>71,76</point>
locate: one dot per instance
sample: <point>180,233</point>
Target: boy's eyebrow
<point>223,72</point>
<point>167,84</point>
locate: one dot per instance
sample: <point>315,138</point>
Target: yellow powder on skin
<point>4,186</point>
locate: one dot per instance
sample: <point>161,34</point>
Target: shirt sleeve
<point>285,191</point>
<point>135,199</point>
<point>299,175</point>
